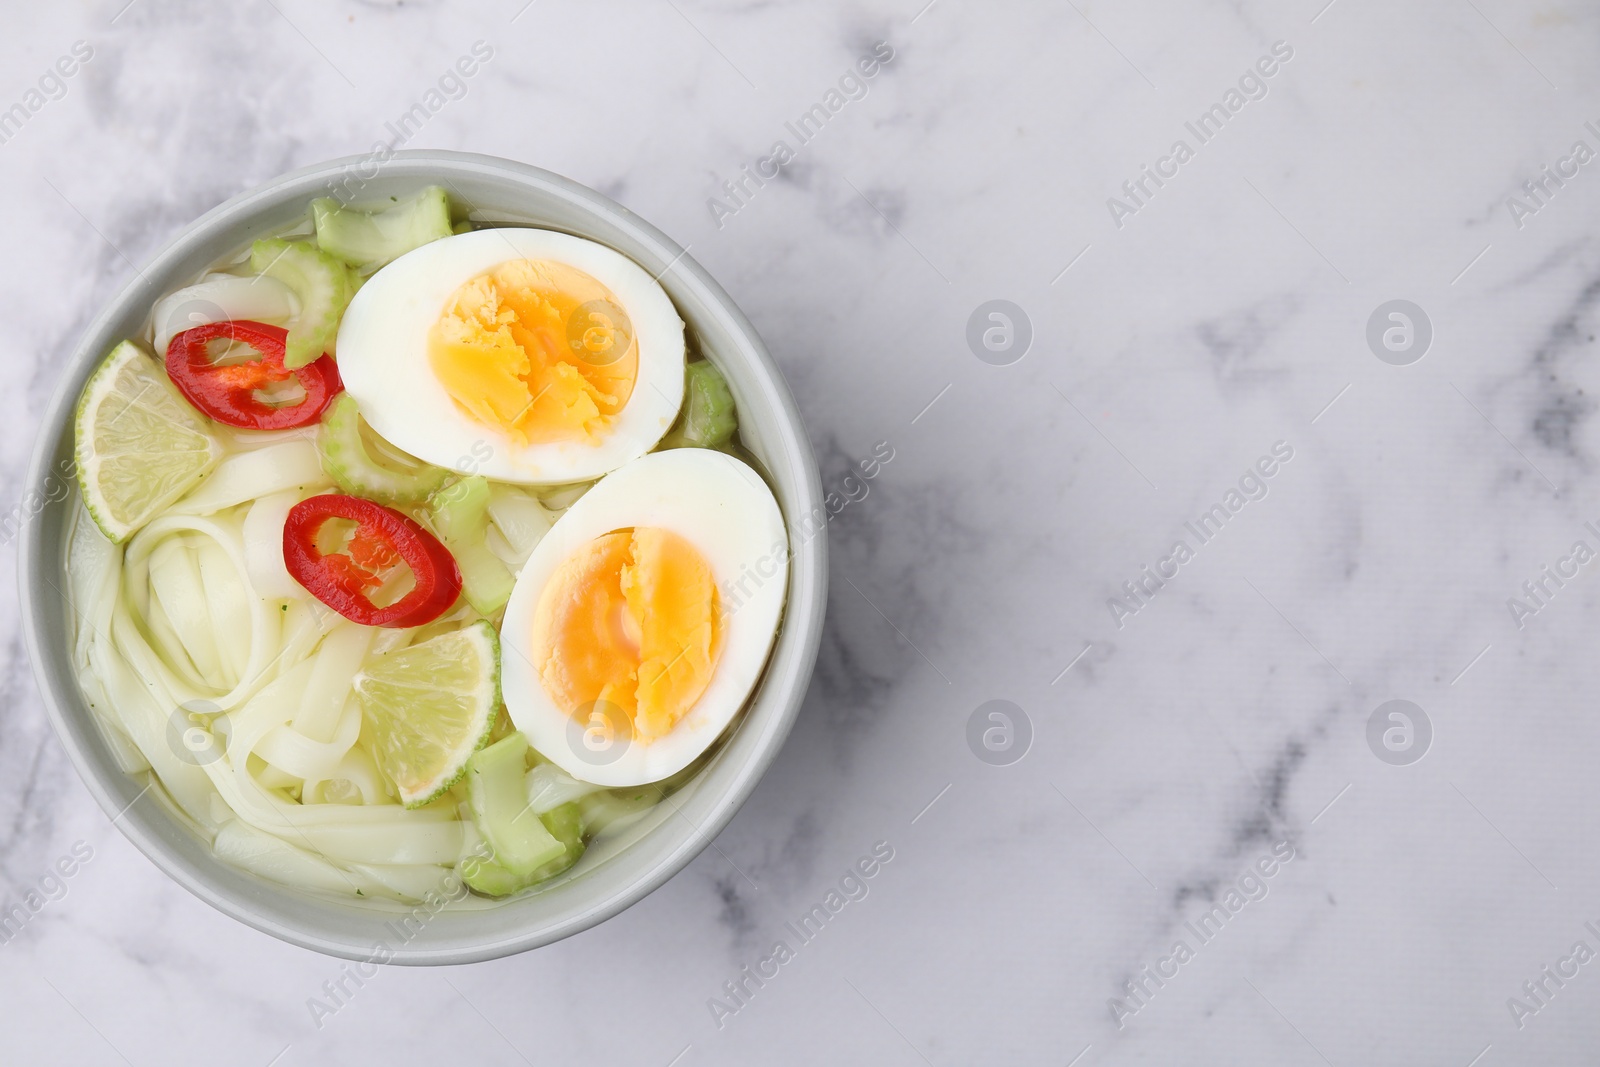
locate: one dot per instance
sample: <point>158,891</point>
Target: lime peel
<point>429,707</point>
<point>139,446</point>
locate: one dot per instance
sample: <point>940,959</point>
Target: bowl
<point>615,872</point>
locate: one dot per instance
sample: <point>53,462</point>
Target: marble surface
<point>1173,752</point>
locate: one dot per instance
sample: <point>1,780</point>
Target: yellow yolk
<point>536,349</point>
<point>631,619</point>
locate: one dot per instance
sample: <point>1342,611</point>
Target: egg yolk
<point>536,349</point>
<point>630,619</point>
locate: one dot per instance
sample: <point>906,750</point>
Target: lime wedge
<point>429,707</point>
<point>140,446</point>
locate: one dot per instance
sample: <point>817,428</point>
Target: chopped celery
<point>563,497</point>
<point>550,787</point>
<point>522,843</point>
<point>460,515</point>
<point>565,824</point>
<point>321,283</point>
<point>602,810</point>
<point>519,517</point>
<point>369,239</point>
<point>489,878</point>
<point>347,461</point>
<point>708,419</point>
<point>495,880</point>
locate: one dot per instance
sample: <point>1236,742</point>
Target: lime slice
<point>140,446</point>
<point>429,707</point>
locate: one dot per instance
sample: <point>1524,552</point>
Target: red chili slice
<point>383,536</point>
<point>228,394</point>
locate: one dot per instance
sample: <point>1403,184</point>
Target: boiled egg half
<point>640,624</point>
<point>520,354</point>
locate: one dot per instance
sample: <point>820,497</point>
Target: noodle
<point>174,642</point>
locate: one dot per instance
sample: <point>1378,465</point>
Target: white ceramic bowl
<point>616,871</point>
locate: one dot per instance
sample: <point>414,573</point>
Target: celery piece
<point>489,878</point>
<point>492,879</point>
<point>522,843</point>
<point>708,419</point>
<point>565,824</point>
<point>460,516</point>
<point>550,787</point>
<point>519,517</point>
<point>321,284</point>
<point>347,461</point>
<point>369,239</point>
<point>562,497</point>
<point>602,810</point>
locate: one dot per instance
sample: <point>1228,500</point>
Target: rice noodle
<point>327,702</point>
<point>171,581</point>
<point>287,748</point>
<point>356,780</point>
<point>262,531</point>
<point>292,463</point>
<point>221,296</point>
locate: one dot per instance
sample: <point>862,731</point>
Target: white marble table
<point>1177,751</point>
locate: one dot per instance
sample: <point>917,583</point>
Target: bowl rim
<point>794,650</point>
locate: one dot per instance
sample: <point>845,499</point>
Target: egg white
<point>721,507</point>
<point>383,358</point>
